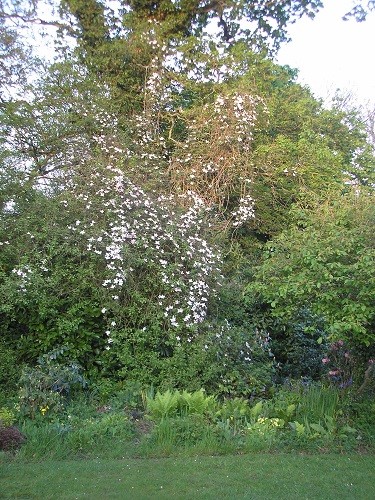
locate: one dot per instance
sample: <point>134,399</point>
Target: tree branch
<point>37,20</point>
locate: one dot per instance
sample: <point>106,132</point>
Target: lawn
<point>255,476</point>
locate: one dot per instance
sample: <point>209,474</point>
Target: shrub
<point>360,413</point>
<point>45,388</point>
<point>339,365</point>
<point>298,345</point>
<point>7,417</point>
<point>11,438</point>
<point>238,361</point>
<point>9,368</point>
<point>325,262</point>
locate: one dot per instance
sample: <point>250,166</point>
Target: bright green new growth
<point>175,403</point>
<point>325,262</point>
<point>7,417</point>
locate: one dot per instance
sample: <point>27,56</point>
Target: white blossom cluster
<point>24,274</point>
<point>110,147</point>
<point>224,338</point>
<point>229,341</point>
<point>236,116</point>
<point>169,244</point>
<point>149,147</point>
<point>244,212</point>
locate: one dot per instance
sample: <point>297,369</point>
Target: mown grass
<point>255,476</point>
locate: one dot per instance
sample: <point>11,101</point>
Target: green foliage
<point>7,417</point>
<point>235,412</point>
<point>224,360</point>
<point>169,404</point>
<point>236,415</point>
<point>97,257</point>
<point>317,403</point>
<point>48,284</point>
<point>181,432</point>
<point>327,430</point>
<point>298,345</point>
<point>361,415</point>
<point>195,403</point>
<point>45,388</point>
<point>176,23</point>
<point>87,434</point>
<point>82,429</point>
<point>288,171</point>
<point>163,405</point>
<point>78,437</point>
<point>325,263</point>
<point>238,361</point>
<point>9,368</point>
<point>120,395</point>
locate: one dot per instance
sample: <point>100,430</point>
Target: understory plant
<point>45,388</point>
<point>175,403</point>
<point>328,429</point>
<point>317,402</point>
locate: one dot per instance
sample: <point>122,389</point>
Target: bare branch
<point>37,20</point>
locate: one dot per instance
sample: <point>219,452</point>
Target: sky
<point>330,53</point>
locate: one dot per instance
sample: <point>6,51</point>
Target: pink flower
<point>325,360</point>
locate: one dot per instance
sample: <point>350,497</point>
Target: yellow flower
<point>44,410</point>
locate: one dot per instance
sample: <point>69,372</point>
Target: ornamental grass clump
<point>318,402</point>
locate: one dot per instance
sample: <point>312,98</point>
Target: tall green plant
<point>317,403</point>
<point>172,403</point>
<point>325,262</point>
<point>163,405</point>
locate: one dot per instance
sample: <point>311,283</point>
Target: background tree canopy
<point>326,261</point>
<point>164,184</point>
